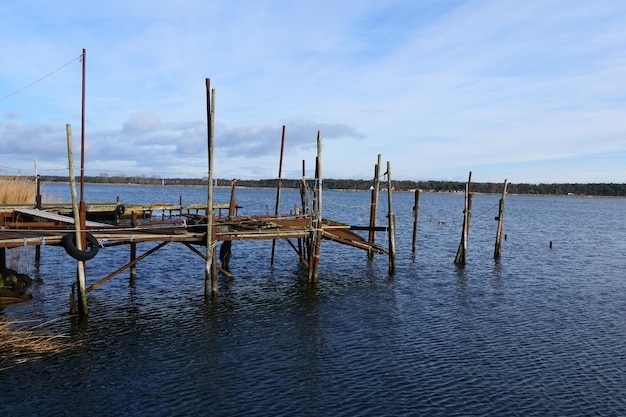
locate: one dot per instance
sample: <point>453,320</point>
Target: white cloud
<point>438,88</point>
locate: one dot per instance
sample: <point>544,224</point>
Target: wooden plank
<point>55,217</point>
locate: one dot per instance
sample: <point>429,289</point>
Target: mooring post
<point>133,256</point>
<point>314,255</point>
<point>392,223</point>
<point>461,253</point>
<point>210,278</point>
<point>278,187</point>
<point>416,207</point>
<point>497,252</point>
<point>80,270</point>
<point>371,237</point>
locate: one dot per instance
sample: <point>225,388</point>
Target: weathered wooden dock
<point>82,229</point>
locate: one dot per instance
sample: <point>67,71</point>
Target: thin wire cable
<point>41,79</point>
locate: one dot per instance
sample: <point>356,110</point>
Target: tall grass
<point>17,190</point>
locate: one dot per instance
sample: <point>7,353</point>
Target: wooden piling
<point>210,276</point>
<point>80,270</point>
<point>133,257</point>
<point>374,207</point>
<point>461,254</point>
<point>316,216</point>
<point>278,187</point>
<point>415,216</point>
<point>497,252</point>
<point>392,223</point>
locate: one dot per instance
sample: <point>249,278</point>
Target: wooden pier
<point>84,228</point>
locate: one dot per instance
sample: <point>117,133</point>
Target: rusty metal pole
<point>82,208</point>
<point>278,188</point>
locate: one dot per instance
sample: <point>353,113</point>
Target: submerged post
<point>498,247</point>
<point>210,276</point>
<point>416,207</point>
<point>80,270</point>
<point>278,188</point>
<point>371,237</point>
<point>461,254</point>
<point>392,223</point>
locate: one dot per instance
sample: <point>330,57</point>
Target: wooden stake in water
<point>374,207</point>
<point>461,254</point>
<point>278,188</point>
<point>80,270</point>
<point>392,223</point>
<point>415,215</point>
<point>210,274</point>
<point>498,247</point>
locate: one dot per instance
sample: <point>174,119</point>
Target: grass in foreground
<point>20,344</point>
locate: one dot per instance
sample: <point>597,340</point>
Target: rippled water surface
<point>541,332</point>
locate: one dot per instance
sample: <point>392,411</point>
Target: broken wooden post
<point>80,270</point>
<point>210,276</point>
<point>461,253</point>
<point>278,187</point>
<point>374,208</point>
<point>133,256</point>
<point>498,248</point>
<point>392,223</point>
<point>415,215</point>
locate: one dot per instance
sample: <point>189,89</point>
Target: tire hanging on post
<point>68,242</point>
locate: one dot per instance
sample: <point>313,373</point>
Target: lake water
<point>541,332</point>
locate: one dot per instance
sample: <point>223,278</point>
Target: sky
<point>532,91</point>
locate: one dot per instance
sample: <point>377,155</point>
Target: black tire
<point>69,244</point>
<point>119,210</point>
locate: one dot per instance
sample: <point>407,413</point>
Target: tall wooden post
<point>278,188</point>
<point>392,223</point>
<point>371,237</point>
<point>80,270</point>
<point>461,254</point>
<point>498,247</point>
<point>302,242</point>
<point>210,275</point>
<point>416,207</point>
<point>316,232</point>
<point>83,208</point>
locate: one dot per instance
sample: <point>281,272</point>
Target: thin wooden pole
<point>302,243</point>
<point>392,223</point>
<point>210,280</point>
<point>80,270</point>
<point>133,257</point>
<point>371,238</point>
<point>278,188</point>
<point>497,252</point>
<point>416,207</point>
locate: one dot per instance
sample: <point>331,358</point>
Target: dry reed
<point>23,344</point>
<point>17,190</point>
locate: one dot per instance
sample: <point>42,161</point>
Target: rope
<point>42,78</point>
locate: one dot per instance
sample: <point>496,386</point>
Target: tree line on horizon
<point>588,189</point>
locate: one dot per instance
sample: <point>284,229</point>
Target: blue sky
<point>531,91</point>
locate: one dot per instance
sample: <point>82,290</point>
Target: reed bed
<point>17,189</point>
<point>22,342</point>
